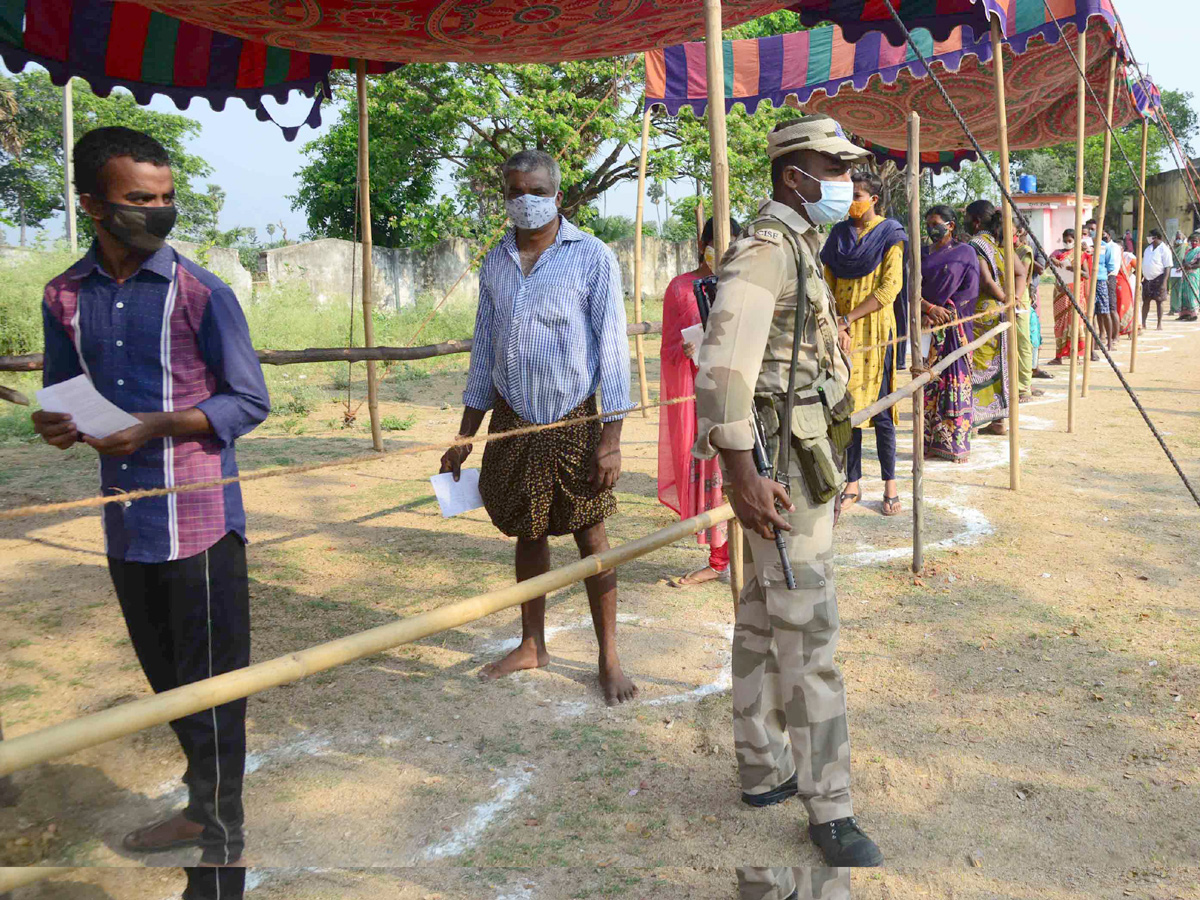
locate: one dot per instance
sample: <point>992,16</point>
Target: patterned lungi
<point>539,484</point>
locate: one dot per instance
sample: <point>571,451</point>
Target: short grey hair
<point>533,161</point>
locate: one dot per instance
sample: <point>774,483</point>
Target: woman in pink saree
<point>687,485</point>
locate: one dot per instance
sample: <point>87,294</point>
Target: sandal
<point>690,579</point>
<point>139,840</point>
<point>891,506</point>
<point>848,499</point>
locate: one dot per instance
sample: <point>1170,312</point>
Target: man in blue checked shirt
<point>549,333</point>
<point>165,340</point>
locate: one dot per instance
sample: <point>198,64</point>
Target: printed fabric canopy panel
<point>884,83</point>
<point>940,18</point>
<point>123,44</point>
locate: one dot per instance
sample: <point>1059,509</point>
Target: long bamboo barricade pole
<point>1010,287</point>
<point>32,362</point>
<point>1106,172</point>
<point>914,336</point>
<point>68,129</point>
<point>637,259</point>
<point>364,193</point>
<point>1078,282</point>
<point>13,877</point>
<point>718,152</point>
<point>88,731</point>
<point>97,728</point>
<point>699,211</point>
<point>1138,250</point>
<point>13,396</point>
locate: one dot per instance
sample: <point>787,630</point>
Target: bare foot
<point>617,687</point>
<point>527,656</point>
<point>177,831</point>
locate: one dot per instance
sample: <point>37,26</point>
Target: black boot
<point>843,843</point>
<point>775,795</point>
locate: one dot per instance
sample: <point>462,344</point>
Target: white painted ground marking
<point>722,683</point>
<point>977,528</point>
<point>507,644</point>
<point>463,838</point>
<point>517,892</point>
<point>313,745</point>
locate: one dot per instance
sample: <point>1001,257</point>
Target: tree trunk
<point>21,205</point>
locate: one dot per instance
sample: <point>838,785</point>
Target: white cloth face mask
<point>835,202</point>
<point>530,212</point>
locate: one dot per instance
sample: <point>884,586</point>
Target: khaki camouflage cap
<point>820,133</point>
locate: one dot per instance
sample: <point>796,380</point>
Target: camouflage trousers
<point>789,703</point>
<point>801,882</point>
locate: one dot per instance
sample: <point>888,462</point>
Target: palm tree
<point>12,140</point>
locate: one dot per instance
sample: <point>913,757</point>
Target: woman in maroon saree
<point>687,485</point>
<point>949,290</point>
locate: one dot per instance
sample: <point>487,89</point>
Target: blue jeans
<point>885,435</point>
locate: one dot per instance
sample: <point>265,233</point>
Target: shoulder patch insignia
<point>769,235</point>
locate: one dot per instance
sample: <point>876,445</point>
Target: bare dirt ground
<point>1025,716</point>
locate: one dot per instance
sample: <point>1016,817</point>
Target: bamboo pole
<point>13,877</point>
<point>1106,171</point>
<point>718,153</point>
<point>1077,285</point>
<point>1010,288</point>
<point>637,259</point>
<point>364,193</point>
<point>13,396</point>
<point>97,728</point>
<point>32,362</point>
<point>1138,250</point>
<point>699,211</point>
<point>68,126</point>
<point>914,336</point>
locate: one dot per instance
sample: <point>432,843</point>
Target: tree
<point>31,153</point>
<point>464,121</point>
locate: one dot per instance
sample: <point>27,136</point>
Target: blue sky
<point>257,167</point>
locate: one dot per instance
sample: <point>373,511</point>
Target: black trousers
<point>190,619</point>
<point>211,883</point>
<point>885,435</point>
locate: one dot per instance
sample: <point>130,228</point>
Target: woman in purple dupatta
<point>949,290</point>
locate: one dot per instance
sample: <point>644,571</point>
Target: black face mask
<point>937,233</point>
<point>141,228</point>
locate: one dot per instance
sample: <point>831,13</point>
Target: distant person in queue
<point>165,340</point>
<point>1156,267</point>
<point>789,701</point>
<point>687,485</point>
<point>549,333</point>
<point>863,261</point>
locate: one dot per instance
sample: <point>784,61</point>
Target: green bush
<point>395,423</point>
<point>22,283</point>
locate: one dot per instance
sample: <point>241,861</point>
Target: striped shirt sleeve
<point>607,310</point>
<point>480,392</point>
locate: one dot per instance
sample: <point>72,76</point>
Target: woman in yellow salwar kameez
<point>990,360</point>
<point>864,266</point>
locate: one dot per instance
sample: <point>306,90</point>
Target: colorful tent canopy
<point>124,44</point>
<point>886,82</point>
<point>939,17</point>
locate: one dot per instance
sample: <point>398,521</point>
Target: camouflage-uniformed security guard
<point>789,703</point>
<point>796,883</point>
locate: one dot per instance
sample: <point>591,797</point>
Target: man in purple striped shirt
<point>166,341</point>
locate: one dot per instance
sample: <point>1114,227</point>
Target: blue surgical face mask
<point>836,198</point>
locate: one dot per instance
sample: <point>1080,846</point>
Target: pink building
<point>1050,215</point>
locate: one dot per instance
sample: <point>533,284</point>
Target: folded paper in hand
<point>92,414</point>
<point>693,334</point>
<point>457,497</point>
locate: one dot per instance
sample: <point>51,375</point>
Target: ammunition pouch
<point>820,434</point>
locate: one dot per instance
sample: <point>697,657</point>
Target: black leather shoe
<point>775,795</point>
<point>843,843</point>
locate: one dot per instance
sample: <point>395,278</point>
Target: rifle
<point>705,290</point>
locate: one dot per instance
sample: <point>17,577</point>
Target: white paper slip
<point>457,497</point>
<point>93,415</point>
<point>693,334</point>
<point>926,342</point>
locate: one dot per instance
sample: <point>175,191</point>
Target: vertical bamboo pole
<point>637,260</point>
<point>1139,248</point>
<point>1077,285</point>
<point>699,210</point>
<point>718,153</point>
<point>1105,173</point>
<point>364,192</point>
<point>914,336</point>
<point>1010,287</point>
<point>68,127</point>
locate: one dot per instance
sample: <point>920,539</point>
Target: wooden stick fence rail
<point>32,362</point>
<point>97,728</point>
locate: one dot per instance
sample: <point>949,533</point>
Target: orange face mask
<point>859,208</point>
